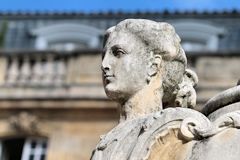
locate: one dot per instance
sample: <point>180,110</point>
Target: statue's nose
<point>105,69</point>
<point>105,65</point>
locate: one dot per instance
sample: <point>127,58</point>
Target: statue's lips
<point>108,78</point>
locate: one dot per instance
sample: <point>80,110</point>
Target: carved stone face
<point>124,65</point>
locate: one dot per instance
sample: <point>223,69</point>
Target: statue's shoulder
<point>178,133</point>
<point>139,137</point>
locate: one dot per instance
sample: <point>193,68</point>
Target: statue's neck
<point>146,101</point>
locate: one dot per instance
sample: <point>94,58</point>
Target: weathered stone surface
<point>144,58</point>
<point>144,70</point>
<point>143,136</point>
<point>229,96</point>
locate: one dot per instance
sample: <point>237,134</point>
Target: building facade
<point>52,102</point>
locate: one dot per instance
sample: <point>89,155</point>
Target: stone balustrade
<point>35,70</point>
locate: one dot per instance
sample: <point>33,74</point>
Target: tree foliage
<point>3,30</point>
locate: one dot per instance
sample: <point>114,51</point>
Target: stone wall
<point>73,117</point>
<point>216,74</point>
<point>71,131</point>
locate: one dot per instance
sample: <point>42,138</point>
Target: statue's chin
<point>116,94</point>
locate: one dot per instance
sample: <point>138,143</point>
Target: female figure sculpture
<point>144,58</point>
<point>144,70</point>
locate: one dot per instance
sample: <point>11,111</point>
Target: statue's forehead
<point>121,38</point>
<point>117,36</point>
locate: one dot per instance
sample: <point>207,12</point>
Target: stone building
<point>51,99</point>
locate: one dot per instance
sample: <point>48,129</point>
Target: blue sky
<point>116,5</point>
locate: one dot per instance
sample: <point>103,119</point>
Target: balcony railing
<point>50,74</point>
<point>41,68</point>
<point>53,74</point>
<point>35,70</point>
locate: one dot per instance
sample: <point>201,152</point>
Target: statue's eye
<point>118,53</point>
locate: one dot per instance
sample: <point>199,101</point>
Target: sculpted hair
<point>159,36</point>
<point>161,39</point>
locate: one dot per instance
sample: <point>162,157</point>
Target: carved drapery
<point>169,134</point>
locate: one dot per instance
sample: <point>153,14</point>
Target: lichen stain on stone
<point>227,135</point>
<point>171,149</point>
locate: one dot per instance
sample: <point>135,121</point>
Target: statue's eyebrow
<point>116,46</point>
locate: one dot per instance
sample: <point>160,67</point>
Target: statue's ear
<point>191,77</point>
<point>154,66</point>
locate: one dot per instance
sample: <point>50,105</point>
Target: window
<point>67,36</point>
<point>34,149</point>
<point>198,35</point>
<point>23,149</point>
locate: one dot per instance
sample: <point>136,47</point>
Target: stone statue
<point>144,70</point>
<point>144,58</point>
